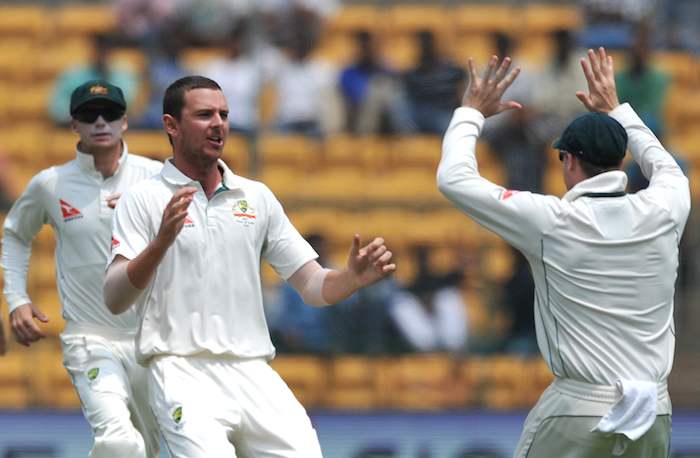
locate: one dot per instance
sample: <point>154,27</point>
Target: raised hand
<point>600,74</point>
<point>113,199</point>
<point>369,263</point>
<point>484,94</point>
<point>174,215</point>
<point>25,329</point>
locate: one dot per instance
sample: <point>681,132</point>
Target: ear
<point>170,124</point>
<point>74,126</point>
<point>125,123</point>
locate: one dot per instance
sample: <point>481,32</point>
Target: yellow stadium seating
<point>423,382</point>
<point>352,383</point>
<point>27,21</point>
<point>482,18</point>
<point>353,18</point>
<point>545,18</point>
<point>84,19</point>
<point>292,151</point>
<point>305,375</point>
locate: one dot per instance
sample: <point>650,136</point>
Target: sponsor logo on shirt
<point>188,222</point>
<point>244,213</point>
<point>506,193</point>
<point>69,212</point>
<point>115,242</point>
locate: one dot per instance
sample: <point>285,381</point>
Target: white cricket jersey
<point>604,267</point>
<point>206,295</point>
<point>71,198</point>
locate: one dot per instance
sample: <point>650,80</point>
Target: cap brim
<point>98,99</point>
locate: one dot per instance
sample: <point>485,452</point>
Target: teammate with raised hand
<point>604,264</point>
<point>188,244</point>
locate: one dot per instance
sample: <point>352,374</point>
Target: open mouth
<point>216,140</point>
<point>102,135</point>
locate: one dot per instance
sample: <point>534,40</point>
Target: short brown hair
<point>174,98</point>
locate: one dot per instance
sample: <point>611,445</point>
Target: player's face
<point>100,127</point>
<point>201,132</point>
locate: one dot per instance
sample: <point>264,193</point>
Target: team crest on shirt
<point>177,415</point>
<point>115,242</point>
<point>68,211</point>
<point>243,213</point>
<point>93,373</point>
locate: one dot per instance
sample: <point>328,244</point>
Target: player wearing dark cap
<point>77,199</point>
<point>604,264</point>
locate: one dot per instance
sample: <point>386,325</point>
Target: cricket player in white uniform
<point>604,264</point>
<point>188,243</point>
<point>77,200</point>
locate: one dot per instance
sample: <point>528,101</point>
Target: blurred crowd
<point>272,43</point>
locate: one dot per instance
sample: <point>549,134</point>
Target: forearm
<point>119,292</point>
<point>458,162</point>
<point>339,285</point>
<point>15,263</point>
<point>126,279</point>
<point>646,149</point>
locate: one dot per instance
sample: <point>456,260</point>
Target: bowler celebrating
<point>188,244</point>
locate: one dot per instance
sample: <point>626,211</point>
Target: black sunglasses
<point>90,115</point>
<point>561,156</point>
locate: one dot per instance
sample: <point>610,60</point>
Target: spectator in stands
<point>296,327</point>
<point>139,21</point>
<point>369,91</point>
<point>8,190</point>
<point>552,100</point>
<point>513,135</point>
<point>610,23</point>
<point>164,66</point>
<point>641,84</point>
<point>307,100</point>
<point>241,77</point>
<point>433,88</point>
<point>431,314</point>
<point>518,297</point>
<point>679,20</point>
<point>99,68</point>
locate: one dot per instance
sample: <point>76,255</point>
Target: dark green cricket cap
<point>95,90</point>
<point>596,138</point>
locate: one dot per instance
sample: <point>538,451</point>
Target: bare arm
<point>369,264</point>
<point>122,280</point>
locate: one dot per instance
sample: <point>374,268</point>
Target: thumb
<point>512,105</point>
<point>585,100</point>
<point>39,314</point>
<point>355,248</point>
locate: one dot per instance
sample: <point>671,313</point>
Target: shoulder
<point>143,163</point>
<point>48,177</point>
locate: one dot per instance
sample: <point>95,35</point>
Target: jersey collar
<point>174,176</point>
<point>86,161</point>
<point>613,181</point>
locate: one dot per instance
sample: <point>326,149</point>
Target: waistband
<point>79,329</point>
<point>600,393</point>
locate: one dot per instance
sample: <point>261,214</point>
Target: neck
<point>106,161</point>
<point>206,173</point>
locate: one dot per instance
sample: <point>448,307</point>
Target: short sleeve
<point>130,225</point>
<point>284,248</point>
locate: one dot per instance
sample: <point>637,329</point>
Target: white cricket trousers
<point>560,424</point>
<point>219,407</point>
<point>112,389</point>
